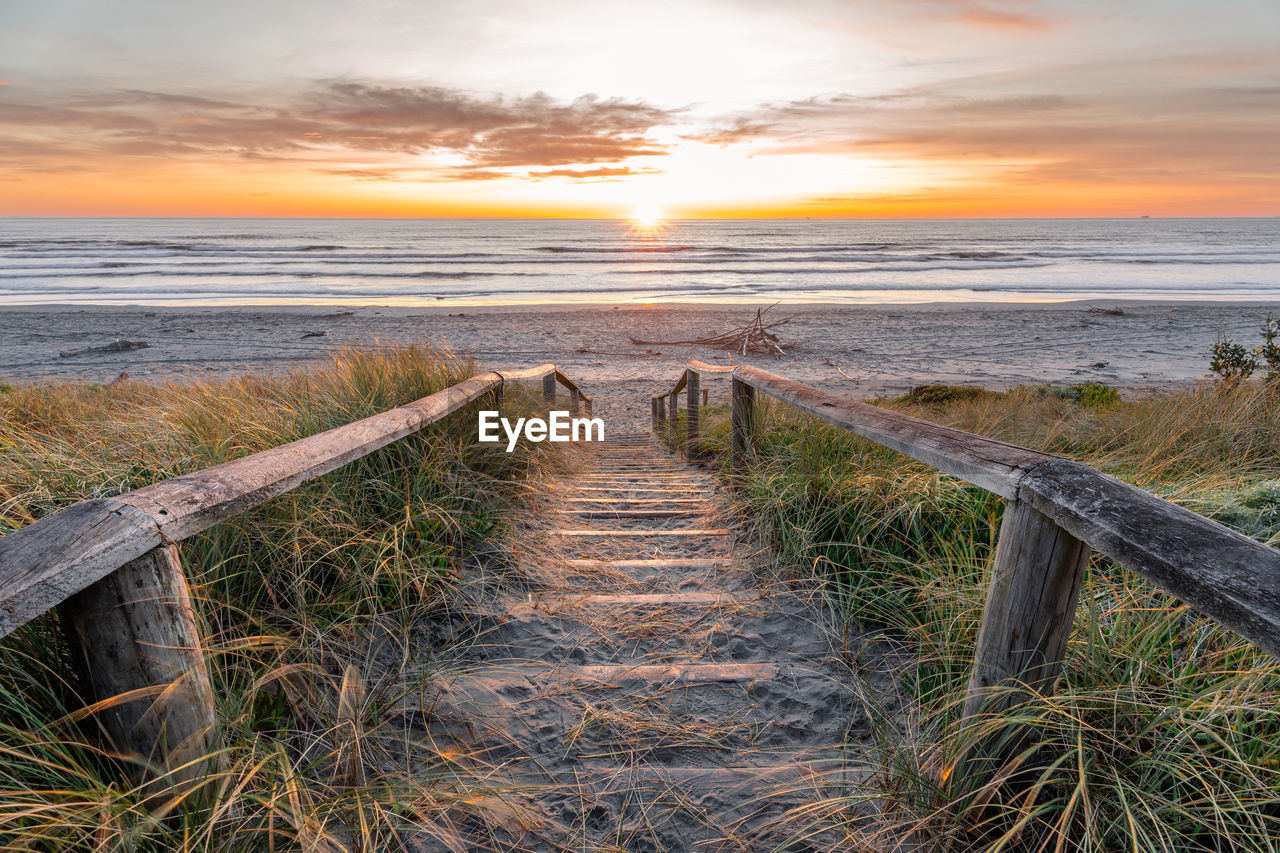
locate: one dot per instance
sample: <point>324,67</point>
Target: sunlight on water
<point>522,262</point>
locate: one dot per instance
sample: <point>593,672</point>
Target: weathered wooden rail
<point>1057,510</point>
<point>112,568</point>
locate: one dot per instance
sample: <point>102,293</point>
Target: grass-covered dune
<point>1164,733</point>
<point>305,605</point>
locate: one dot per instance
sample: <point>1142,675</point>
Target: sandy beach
<point>866,351</point>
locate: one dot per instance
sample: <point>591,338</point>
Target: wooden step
<point>655,563</point>
<point>603,512</point>
<point>677,477</point>
<point>657,490</point>
<point>597,534</point>
<point>699,501</point>
<point>617,674</point>
<point>555,603</point>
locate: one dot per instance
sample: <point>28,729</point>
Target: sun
<point>646,216</point>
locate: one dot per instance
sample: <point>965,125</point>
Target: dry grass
<point>1163,732</point>
<point>305,605</point>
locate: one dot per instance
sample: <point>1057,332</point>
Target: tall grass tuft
<point>1164,732</point>
<point>306,604</point>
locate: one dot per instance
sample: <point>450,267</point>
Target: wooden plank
<point>1031,603</point>
<point>604,512</point>
<point>621,500</point>
<point>713,531</point>
<point>134,634</point>
<point>688,489</point>
<point>994,465</point>
<point>1217,571</point>
<point>673,673</point>
<point>742,422</point>
<point>654,563</point>
<point>552,604</point>
<point>48,561</point>
<point>193,502</point>
<point>692,403</point>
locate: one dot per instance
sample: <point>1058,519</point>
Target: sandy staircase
<point>647,692</point>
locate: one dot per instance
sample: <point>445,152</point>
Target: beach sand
<point>860,350</point>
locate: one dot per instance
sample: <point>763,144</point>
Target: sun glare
<point>646,216</point>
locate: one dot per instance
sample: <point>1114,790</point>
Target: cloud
<point>1010,17</point>
<point>349,120</point>
<point>601,172</point>
<point>1162,122</point>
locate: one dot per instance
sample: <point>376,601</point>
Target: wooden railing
<point>1057,510</point>
<point>112,568</point>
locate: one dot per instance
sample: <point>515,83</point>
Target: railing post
<point>587,407</point>
<point>573,401</point>
<point>1031,603</point>
<point>134,632</point>
<point>741,418</point>
<point>549,389</point>
<point>662,411</point>
<point>692,381</point>
<point>673,414</point>
<point>653,415</point>
<point>704,396</point>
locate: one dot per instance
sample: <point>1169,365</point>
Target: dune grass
<point>306,606</point>
<point>1164,732</point>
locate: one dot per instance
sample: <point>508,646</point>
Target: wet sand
<point>864,350</point>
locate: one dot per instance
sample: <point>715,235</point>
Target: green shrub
<point>1232,363</point>
<point>938,395</point>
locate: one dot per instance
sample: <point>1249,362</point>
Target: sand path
<point>650,690</point>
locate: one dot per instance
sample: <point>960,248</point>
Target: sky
<point>697,108</point>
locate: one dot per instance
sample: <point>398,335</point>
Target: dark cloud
<point>490,134</point>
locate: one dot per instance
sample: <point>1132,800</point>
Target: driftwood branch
<point>753,338</point>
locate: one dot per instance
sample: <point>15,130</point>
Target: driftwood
<point>753,338</point>
<point>646,353</point>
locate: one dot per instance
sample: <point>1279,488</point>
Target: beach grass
<point>309,606</point>
<point>1164,731</point>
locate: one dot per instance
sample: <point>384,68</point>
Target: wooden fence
<point>111,567</point>
<point>1056,511</point>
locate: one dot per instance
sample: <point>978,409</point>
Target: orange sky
<point>719,109</point>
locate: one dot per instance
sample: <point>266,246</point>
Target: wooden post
<point>1031,603</point>
<point>549,389</point>
<point>741,417</point>
<point>134,632</point>
<point>653,414</point>
<point>587,406</point>
<point>662,412</point>
<point>692,380</point>
<point>573,401</point>
<point>674,414</point>
<point>704,396</point>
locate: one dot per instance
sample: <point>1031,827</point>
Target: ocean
<point>178,262</point>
